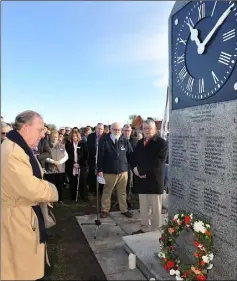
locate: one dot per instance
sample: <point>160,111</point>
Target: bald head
<point>116,130</point>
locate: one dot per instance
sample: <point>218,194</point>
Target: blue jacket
<point>114,159</point>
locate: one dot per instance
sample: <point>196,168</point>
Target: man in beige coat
<point>23,233</point>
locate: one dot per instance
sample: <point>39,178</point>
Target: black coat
<point>82,156</point>
<point>92,147</point>
<point>43,151</point>
<point>150,161</point>
<point>114,159</point>
<point>133,142</point>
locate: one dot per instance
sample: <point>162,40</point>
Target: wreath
<point>203,242</point>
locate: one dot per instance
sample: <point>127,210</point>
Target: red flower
<point>201,277</point>
<point>184,276</point>
<point>196,243</point>
<point>187,219</point>
<point>188,272</point>
<point>170,264</point>
<point>166,267</point>
<point>161,238</point>
<point>208,233</point>
<point>172,247</point>
<point>202,262</point>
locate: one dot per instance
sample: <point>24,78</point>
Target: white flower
<point>176,217</point>
<point>191,216</point>
<point>179,278</point>
<point>198,226</point>
<point>208,226</point>
<point>182,215</point>
<point>177,272</point>
<point>210,266</point>
<point>172,272</point>
<point>179,222</point>
<point>205,259</point>
<point>161,255</point>
<point>208,258</point>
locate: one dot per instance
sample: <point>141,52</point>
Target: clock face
<point>204,50</point>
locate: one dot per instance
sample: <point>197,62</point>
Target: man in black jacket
<point>92,144</point>
<point>127,131</point>
<point>149,168</point>
<point>113,159</point>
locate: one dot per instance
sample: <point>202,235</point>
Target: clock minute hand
<point>201,47</point>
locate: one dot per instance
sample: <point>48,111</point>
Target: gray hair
<point>4,125</point>
<point>25,117</point>
<point>150,121</point>
<point>127,126</point>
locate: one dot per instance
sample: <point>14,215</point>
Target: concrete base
<point>145,247</point>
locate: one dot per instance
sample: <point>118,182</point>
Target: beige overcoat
<point>22,255</point>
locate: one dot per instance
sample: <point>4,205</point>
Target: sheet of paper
<point>100,180</point>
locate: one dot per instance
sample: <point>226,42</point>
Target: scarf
<point>15,137</point>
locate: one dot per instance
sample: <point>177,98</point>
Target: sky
<point>80,63</point>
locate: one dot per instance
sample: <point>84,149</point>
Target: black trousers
<point>83,189</point>
<point>92,180</point>
<point>58,181</point>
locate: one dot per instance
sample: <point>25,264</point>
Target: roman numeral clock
<point>203,53</point>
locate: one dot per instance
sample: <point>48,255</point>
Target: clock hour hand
<point>201,47</point>
<point>194,34</point>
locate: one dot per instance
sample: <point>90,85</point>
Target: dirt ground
<point>70,254</point>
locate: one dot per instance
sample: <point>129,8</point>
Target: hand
<point>56,163</point>
<point>194,34</point>
<point>136,171</point>
<point>100,174</point>
<point>76,165</point>
<point>201,48</point>
<point>142,177</point>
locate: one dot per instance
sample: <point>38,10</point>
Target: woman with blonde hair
<point>77,165</point>
<point>55,167</point>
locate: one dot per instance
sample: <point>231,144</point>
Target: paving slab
<point>145,246</point>
<point>108,247</point>
<point>127,275</point>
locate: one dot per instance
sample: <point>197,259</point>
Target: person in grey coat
<point>56,164</point>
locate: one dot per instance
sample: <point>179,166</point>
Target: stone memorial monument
<point>203,122</point>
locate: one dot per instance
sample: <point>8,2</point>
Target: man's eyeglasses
<point>3,133</point>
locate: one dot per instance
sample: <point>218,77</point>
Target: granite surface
<point>203,172</point>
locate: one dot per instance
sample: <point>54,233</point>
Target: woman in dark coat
<point>148,162</point>
<point>77,162</point>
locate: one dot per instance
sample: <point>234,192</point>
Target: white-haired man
<point>149,167</point>
<point>23,233</point>
<point>113,159</point>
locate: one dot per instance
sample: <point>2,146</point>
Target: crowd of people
<point>38,161</point>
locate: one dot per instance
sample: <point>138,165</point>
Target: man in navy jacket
<point>113,161</point>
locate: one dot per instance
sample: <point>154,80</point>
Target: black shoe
<point>104,215</point>
<point>138,232</point>
<point>127,214</point>
<point>164,210</point>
